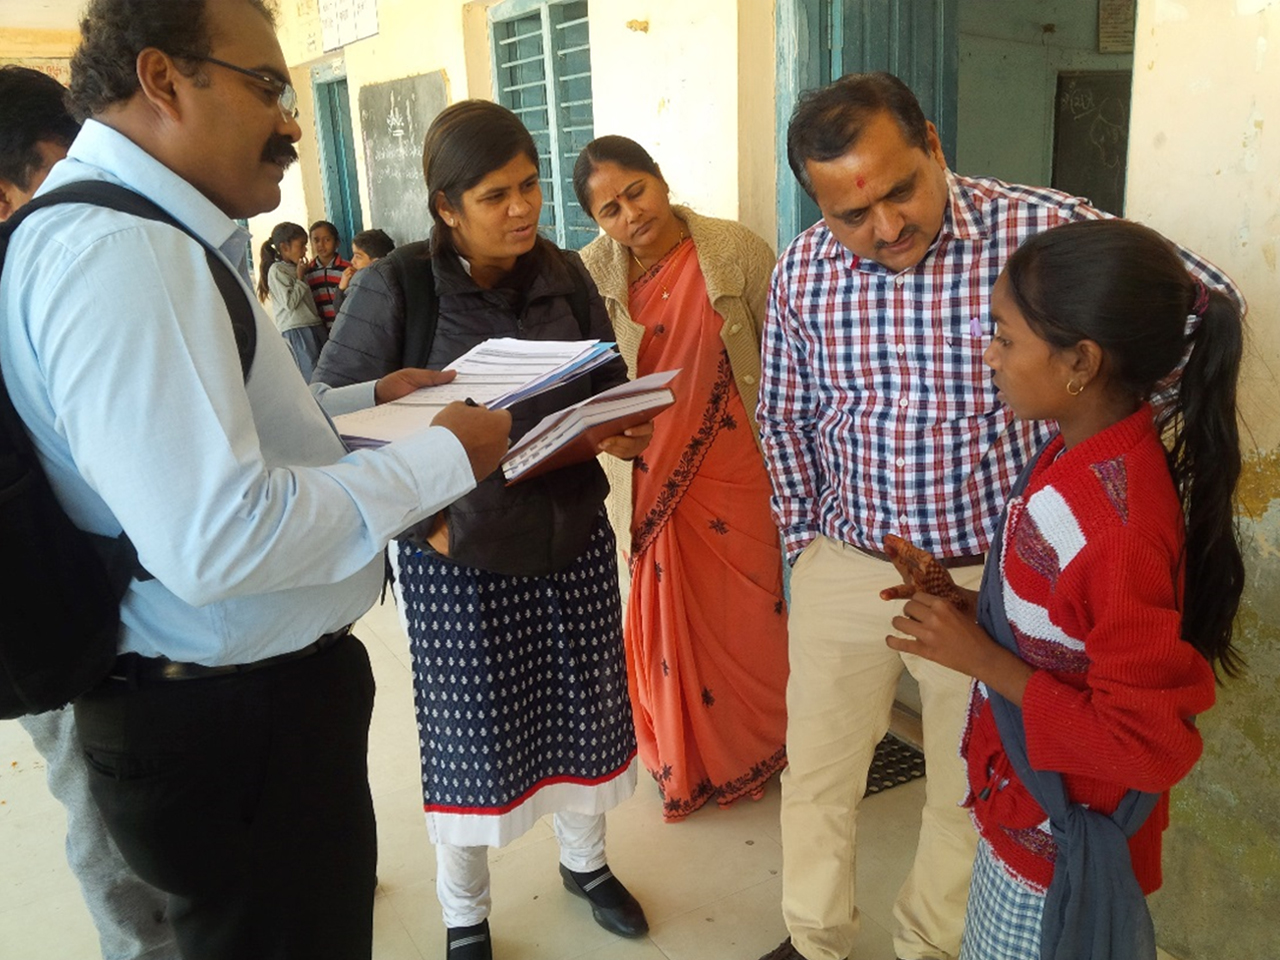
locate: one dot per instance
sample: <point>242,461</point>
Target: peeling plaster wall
<point>18,44</point>
<point>665,73</point>
<point>1204,154</point>
<point>757,147</point>
<point>48,51</point>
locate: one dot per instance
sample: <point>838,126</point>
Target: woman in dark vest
<point>509,597</point>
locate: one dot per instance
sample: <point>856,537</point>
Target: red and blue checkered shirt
<point>876,411</point>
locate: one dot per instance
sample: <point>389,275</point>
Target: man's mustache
<point>280,150</point>
<point>908,231</point>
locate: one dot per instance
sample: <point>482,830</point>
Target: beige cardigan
<point>736,265</point>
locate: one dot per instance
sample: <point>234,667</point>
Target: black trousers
<point>246,799</point>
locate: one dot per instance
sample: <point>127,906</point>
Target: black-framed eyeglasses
<point>285,94</point>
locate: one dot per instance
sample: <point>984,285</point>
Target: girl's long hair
<point>281,234</point>
<point>1124,286</point>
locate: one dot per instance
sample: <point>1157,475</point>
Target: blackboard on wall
<point>1091,136</point>
<point>394,118</point>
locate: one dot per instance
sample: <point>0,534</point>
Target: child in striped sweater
<point>1108,598</point>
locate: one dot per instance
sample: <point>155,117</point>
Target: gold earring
<point>1079,387</point>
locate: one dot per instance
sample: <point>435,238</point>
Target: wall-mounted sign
<point>1116,25</point>
<point>346,21</point>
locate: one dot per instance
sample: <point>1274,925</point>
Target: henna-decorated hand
<point>922,573</point>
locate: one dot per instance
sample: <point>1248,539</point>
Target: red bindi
<point>861,183</point>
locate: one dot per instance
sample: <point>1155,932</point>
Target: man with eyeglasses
<point>228,749</point>
<point>283,89</point>
<point>129,914</point>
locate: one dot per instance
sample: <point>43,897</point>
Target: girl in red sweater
<point>1108,598</point>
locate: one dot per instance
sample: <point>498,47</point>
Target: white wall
<point>1204,158</point>
<point>1204,154</point>
<point>665,73</point>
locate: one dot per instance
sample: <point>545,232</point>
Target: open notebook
<point>572,435</point>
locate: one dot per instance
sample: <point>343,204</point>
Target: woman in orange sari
<point>705,630</point>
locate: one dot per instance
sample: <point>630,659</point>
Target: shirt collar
<point>103,153</point>
<point>962,220</point>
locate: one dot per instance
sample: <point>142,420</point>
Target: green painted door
<point>338,160</point>
<point>822,40</point>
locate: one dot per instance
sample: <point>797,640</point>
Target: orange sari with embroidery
<point>705,630</point>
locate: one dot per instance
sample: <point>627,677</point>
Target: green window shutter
<point>542,73</point>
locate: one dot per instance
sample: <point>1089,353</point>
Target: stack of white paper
<point>497,373</point>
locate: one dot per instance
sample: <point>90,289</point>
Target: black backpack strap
<point>118,553</point>
<point>580,303</point>
<point>100,193</point>
<point>416,274</point>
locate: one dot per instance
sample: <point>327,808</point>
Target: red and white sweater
<point>1092,589</point>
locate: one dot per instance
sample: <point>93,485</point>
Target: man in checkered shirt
<point>878,417</point>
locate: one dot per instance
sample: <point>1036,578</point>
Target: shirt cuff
<point>336,401</point>
<point>440,466</point>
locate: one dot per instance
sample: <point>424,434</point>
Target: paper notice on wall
<point>346,21</point>
<point>1115,25</point>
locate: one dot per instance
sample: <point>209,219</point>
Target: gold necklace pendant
<point>666,294</point>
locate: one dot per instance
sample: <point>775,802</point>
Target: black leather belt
<point>133,667</point>
<point>950,563</point>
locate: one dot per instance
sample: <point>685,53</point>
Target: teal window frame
<point>541,59</point>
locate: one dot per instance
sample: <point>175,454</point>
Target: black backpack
<point>412,268</point>
<point>61,607</point>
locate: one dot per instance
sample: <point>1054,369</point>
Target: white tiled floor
<point>710,886</point>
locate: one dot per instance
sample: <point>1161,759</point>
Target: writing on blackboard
<point>394,117</point>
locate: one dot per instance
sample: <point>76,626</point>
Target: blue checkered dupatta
<point>1094,908</point>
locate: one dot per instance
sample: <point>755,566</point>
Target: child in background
<point>366,247</point>
<point>325,271</point>
<point>281,272</point>
<point>1109,595</point>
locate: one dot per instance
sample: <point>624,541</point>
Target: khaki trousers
<point>843,680</point>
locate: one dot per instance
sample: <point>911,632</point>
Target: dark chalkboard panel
<point>1091,136</point>
<point>394,117</point>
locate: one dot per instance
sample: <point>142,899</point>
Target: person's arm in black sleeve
<point>614,372</point>
<point>367,339</point>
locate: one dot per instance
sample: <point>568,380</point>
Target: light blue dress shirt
<point>261,531</point>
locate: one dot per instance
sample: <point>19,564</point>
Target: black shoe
<point>613,907</point>
<point>784,951</point>
<point>469,943</point>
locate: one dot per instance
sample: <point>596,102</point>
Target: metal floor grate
<point>896,762</point>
